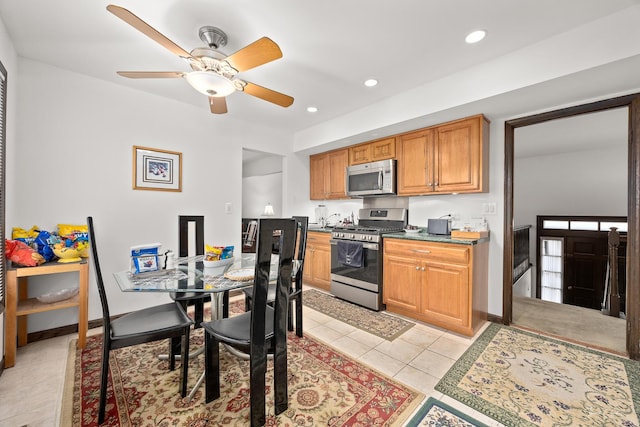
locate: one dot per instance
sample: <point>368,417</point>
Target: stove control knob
<point>370,238</point>
<point>352,236</point>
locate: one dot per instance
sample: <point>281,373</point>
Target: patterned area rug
<point>524,379</point>
<point>436,413</point>
<point>376,323</point>
<point>326,387</point>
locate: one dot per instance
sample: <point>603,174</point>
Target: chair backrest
<point>302,225</point>
<point>96,265</point>
<point>266,228</point>
<point>250,236</point>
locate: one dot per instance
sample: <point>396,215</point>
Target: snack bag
<point>216,253</point>
<point>20,253</point>
<point>45,242</point>
<point>26,236</point>
<point>76,236</point>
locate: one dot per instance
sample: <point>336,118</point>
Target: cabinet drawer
<point>428,251</point>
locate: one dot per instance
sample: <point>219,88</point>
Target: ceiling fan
<point>214,74</point>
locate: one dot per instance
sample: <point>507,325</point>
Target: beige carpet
<point>523,379</point>
<point>581,325</point>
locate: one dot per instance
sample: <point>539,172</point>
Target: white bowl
<point>56,296</point>
<point>218,263</point>
<point>407,230</point>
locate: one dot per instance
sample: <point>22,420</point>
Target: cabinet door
<point>317,177</point>
<point>383,149</point>
<point>322,266</point>
<point>458,156</point>
<point>446,299</point>
<point>415,163</point>
<point>401,282</point>
<point>335,176</point>
<point>359,154</point>
<point>317,261</point>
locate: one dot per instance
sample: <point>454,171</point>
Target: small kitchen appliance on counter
<point>439,226</point>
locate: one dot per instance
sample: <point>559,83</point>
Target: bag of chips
<point>20,253</point>
<point>216,253</point>
<point>76,236</point>
<point>26,236</point>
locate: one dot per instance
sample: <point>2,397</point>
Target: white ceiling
<point>603,129</point>
<point>329,48</point>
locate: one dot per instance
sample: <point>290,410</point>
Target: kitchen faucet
<point>325,221</point>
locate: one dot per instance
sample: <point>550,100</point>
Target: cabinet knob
<point>417,267</point>
<point>422,269</point>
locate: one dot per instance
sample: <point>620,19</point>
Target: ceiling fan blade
<point>147,30</point>
<point>268,95</point>
<point>151,74</point>
<point>218,104</point>
<point>257,53</point>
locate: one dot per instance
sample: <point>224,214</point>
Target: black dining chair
<point>295,293</point>
<point>195,299</point>
<point>166,321</point>
<point>260,331</point>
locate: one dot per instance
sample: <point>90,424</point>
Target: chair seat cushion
<point>271,292</point>
<point>189,296</point>
<point>146,321</point>
<point>237,329</point>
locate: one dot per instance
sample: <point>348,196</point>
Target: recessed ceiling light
<point>312,109</point>
<point>370,82</point>
<point>475,36</point>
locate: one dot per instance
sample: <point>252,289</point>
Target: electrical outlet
<point>489,208</point>
<point>227,208</point>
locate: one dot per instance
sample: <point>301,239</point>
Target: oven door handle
<point>370,246</point>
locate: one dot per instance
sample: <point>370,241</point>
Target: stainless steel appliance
<point>371,179</point>
<point>356,256</point>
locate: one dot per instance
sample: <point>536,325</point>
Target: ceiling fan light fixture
<point>210,83</point>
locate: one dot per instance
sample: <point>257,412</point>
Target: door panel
<point>585,267</point>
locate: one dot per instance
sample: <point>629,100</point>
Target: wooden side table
<point>18,305</point>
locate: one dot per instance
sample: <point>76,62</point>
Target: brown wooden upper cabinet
<point>328,174</point>
<point>449,158</point>
<point>382,149</point>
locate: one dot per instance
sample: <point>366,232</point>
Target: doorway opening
<point>632,102</point>
<point>261,192</point>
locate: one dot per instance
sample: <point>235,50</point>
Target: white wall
<point>259,190</point>
<point>592,182</point>
<point>72,157</point>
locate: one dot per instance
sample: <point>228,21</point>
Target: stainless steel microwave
<point>371,179</point>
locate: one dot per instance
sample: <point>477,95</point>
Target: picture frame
<point>155,169</point>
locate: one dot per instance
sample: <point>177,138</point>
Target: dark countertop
<point>320,230</point>
<point>423,236</point>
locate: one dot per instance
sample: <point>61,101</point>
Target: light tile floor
<point>31,391</point>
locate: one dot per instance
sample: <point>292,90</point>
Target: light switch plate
<point>489,208</point>
<point>227,208</point>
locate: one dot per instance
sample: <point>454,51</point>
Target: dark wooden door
<point>585,269</point>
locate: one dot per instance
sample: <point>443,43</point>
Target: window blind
<point>3,139</point>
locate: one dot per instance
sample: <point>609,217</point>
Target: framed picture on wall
<point>158,170</point>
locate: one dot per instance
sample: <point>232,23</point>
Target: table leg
<point>217,299</point>
<point>11,307</point>
<point>23,294</point>
<point>83,309</point>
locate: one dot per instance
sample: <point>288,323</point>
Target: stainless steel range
<point>356,256</point>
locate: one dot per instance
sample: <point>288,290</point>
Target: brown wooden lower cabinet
<point>443,284</point>
<point>317,261</point>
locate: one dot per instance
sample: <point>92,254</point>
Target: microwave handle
<point>380,180</point>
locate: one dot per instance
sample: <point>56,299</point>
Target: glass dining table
<point>190,275</point>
